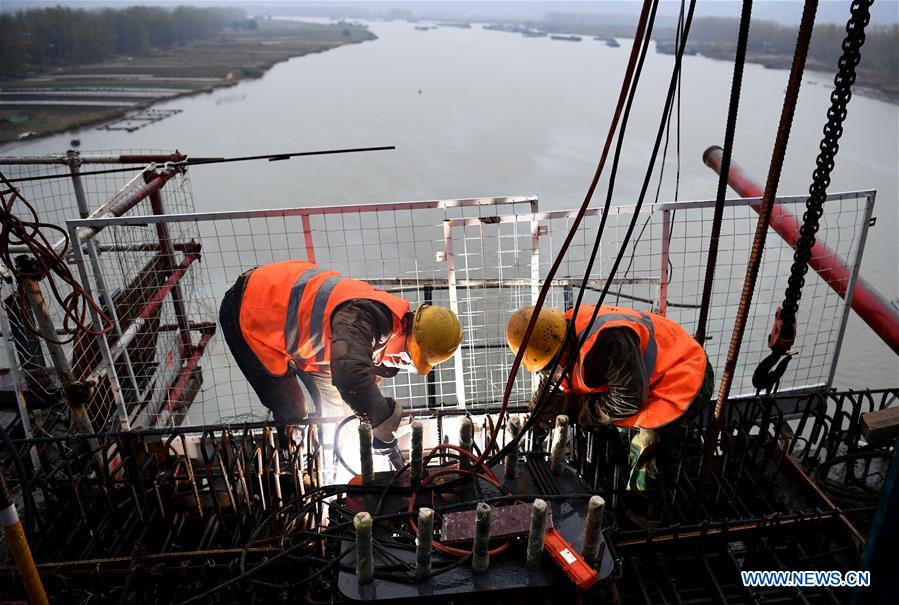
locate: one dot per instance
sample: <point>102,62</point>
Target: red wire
<point>492,480</point>
<point>516,364</point>
<point>544,289</point>
<point>15,230</point>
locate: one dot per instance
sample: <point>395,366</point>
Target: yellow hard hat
<point>436,333</point>
<point>546,338</point>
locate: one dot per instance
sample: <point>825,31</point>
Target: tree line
<point>36,39</point>
<point>880,57</point>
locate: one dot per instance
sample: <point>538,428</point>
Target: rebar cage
<point>160,271</point>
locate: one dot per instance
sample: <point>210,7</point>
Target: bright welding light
<point>400,361</point>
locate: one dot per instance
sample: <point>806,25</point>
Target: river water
<point>476,113</point>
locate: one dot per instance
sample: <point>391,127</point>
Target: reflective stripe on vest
<point>318,317</point>
<point>652,348</point>
<point>291,330</point>
<point>286,312</point>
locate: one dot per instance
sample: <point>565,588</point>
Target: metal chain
<point>770,370</point>
<point>833,130</point>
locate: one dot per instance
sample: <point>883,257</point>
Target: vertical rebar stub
<point>560,443</point>
<point>365,562</point>
<point>417,467</point>
<point>466,440</point>
<point>511,468</point>
<point>593,532</point>
<point>480,549</point>
<point>537,534</point>
<point>424,542</point>
<point>365,454</point>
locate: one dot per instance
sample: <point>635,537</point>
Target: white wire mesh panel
<point>662,271</point>
<point>484,258</point>
<point>55,201</point>
<point>396,247</point>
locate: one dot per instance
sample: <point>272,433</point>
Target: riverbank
<point>95,94</point>
<point>866,83</point>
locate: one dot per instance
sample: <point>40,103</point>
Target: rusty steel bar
<point>803,39</point>
<point>869,304</point>
<point>168,250</point>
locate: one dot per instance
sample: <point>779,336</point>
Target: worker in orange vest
<point>635,370</point>
<point>339,336</point>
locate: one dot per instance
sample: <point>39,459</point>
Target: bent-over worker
<point>339,336</point>
<point>635,370</point>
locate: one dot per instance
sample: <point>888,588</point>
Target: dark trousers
<point>281,394</point>
<point>655,455</point>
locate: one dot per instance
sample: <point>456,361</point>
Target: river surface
<point>476,113</point>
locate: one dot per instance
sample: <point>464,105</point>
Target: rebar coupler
<point>593,532</point>
<point>537,534</point>
<point>365,561</point>
<point>365,453</point>
<point>466,440</point>
<point>511,467</point>
<point>417,466</point>
<point>424,542</point>
<point>560,443</point>
<point>480,549</point>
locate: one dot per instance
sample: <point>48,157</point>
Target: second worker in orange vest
<point>293,319</point>
<point>634,370</point>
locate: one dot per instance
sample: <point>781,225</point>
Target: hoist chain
<point>783,335</point>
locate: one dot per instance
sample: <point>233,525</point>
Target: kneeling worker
<point>635,370</point>
<point>293,319</point>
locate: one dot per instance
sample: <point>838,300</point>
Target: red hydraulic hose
<point>867,302</point>
<point>547,282</point>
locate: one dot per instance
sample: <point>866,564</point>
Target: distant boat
<point>612,42</point>
<point>566,38</point>
<point>422,28</point>
<point>533,33</point>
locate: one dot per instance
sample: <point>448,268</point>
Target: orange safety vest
<point>285,314</point>
<point>675,363</point>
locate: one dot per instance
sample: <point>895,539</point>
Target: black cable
<point>547,394</point>
<point>544,399</point>
<point>630,263</point>
<point>272,157</point>
<point>729,133</point>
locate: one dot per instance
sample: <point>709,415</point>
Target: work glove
<point>386,429</point>
<point>559,403</point>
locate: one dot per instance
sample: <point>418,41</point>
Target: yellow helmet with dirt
<point>436,334</point>
<point>545,341</point>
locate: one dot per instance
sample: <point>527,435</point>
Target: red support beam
<point>156,300</point>
<point>187,370</point>
<point>867,302</point>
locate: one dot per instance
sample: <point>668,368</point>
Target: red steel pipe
<point>180,383</point>
<point>156,300</point>
<point>152,186</point>
<point>867,302</point>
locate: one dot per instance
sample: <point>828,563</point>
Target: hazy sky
<point>784,11</point>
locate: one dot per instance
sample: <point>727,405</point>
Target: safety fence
<point>160,271</point>
<point>397,247</point>
<point>661,271</point>
<point>39,363</point>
